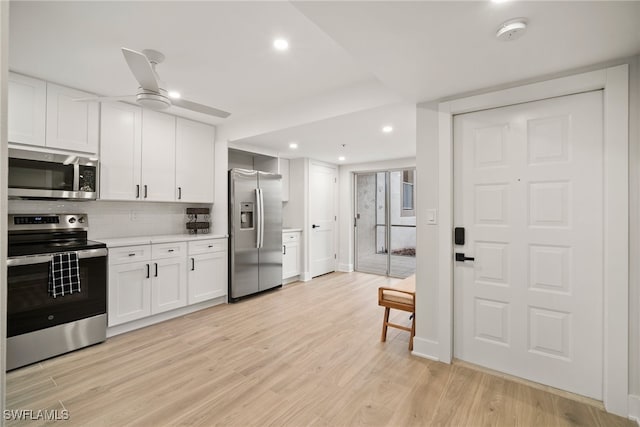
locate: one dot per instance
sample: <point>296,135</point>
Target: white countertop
<point>145,240</point>
<point>291,230</point>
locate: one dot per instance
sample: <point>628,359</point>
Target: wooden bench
<point>401,296</point>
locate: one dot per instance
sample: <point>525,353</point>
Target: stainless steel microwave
<point>38,175</point>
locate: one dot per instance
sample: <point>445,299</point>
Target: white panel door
<point>158,157</point>
<point>207,276</point>
<point>71,125</point>
<point>169,284</point>
<point>129,292</point>
<point>194,161</point>
<point>27,103</point>
<point>322,187</point>
<point>529,192</point>
<point>120,150</point>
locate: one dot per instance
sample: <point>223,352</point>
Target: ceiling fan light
<point>174,94</point>
<point>153,101</point>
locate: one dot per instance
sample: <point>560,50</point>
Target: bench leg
<point>384,324</point>
<point>413,332</point>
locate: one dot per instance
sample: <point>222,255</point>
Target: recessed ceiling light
<point>342,158</point>
<point>387,129</point>
<point>293,145</point>
<point>499,1</point>
<point>173,94</point>
<point>281,44</point>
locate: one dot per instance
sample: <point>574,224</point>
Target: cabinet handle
<point>156,264</point>
<point>132,254</point>
<point>137,191</point>
<point>170,250</point>
<point>193,264</point>
<point>284,249</point>
<point>210,246</point>
<point>145,191</point>
<point>148,271</point>
<point>179,193</point>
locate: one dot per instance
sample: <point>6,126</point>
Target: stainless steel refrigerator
<point>255,232</point>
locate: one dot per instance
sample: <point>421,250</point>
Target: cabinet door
<point>158,156</point>
<point>129,292</point>
<point>207,276</point>
<point>120,150</point>
<point>71,125</point>
<point>169,284</point>
<point>26,108</point>
<point>290,260</point>
<point>194,161</point>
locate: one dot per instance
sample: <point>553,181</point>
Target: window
<point>408,193</point>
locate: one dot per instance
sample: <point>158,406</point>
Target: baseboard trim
<point>634,408</point>
<point>346,268</point>
<point>148,321</point>
<point>305,277</point>
<point>427,349</point>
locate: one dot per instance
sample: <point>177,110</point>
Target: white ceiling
<point>220,54</point>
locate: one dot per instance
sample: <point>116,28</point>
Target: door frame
<point>307,223</point>
<point>615,83</point>
<point>354,182</point>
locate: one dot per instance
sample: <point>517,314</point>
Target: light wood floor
<point>306,354</point>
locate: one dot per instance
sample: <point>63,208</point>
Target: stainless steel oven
<point>38,175</point>
<point>40,326</point>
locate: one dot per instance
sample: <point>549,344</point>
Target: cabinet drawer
<point>290,237</point>
<point>206,246</point>
<point>127,254</point>
<point>169,250</point>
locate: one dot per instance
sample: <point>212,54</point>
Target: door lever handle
<point>461,257</point>
<point>315,226</point>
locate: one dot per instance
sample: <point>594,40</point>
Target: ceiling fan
<point>152,92</point>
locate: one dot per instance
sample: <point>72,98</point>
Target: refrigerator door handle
<point>261,218</point>
<point>258,218</point>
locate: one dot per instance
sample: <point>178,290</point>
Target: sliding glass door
<point>385,233</point>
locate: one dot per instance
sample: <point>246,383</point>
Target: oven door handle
<point>43,258</point>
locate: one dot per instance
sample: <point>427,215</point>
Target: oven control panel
<point>48,221</point>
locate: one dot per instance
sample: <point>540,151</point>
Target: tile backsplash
<point>116,219</point>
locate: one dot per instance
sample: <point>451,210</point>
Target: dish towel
<point>64,274</point>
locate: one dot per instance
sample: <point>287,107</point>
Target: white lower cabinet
<point>207,270</point>
<point>168,284</point>
<point>129,292</point>
<point>138,289</point>
<point>145,280</point>
<point>290,254</point>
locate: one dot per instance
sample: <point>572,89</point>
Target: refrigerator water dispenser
<point>246,215</point>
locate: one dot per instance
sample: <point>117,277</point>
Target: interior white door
<point>322,187</point>
<point>529,193</point>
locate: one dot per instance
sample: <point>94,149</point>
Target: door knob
<point>461,257</point>
<point>315,226</point>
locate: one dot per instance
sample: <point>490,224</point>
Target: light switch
<point>432,216</point>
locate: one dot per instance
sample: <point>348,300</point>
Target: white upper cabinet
<point>194,161</point>
<point>158,157</point>
<point>120,151</point>
<point>71,125</point>
<point>26,110</point>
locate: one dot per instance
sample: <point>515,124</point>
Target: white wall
<point>427,245</point>
<point>4,67</point>
<point>346,208</point>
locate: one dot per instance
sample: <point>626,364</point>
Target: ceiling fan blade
<point>106,98</point>
<point>183,103</point>
<point>141,69</point>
